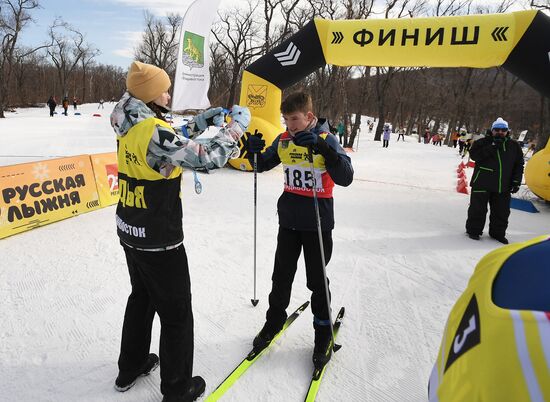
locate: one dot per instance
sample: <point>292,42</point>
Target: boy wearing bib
<point>296,211</point>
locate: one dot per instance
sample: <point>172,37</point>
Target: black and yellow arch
<point>519,42</point>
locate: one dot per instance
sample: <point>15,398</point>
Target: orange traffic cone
<point>462,186</point>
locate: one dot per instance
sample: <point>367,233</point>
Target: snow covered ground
<point>400,261</point>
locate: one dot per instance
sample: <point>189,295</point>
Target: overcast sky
<point>114,26</point>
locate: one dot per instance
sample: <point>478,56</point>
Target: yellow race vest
<point>491,354</point>
<point>297,169</point>
<point>149,213</point>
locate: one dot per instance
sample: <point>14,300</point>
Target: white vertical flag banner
<point>193,68</point>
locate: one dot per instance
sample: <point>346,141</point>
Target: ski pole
<point>254,300</point>
<point>320,233</point>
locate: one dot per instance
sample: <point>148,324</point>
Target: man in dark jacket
<point>498,173</point>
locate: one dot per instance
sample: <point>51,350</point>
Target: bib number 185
<point>299,177</point>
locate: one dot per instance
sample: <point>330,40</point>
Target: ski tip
<point>254,302</point>
<point>337,347</point>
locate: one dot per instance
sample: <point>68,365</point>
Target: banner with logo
<point>38,193</point>
<point>106,177</point>
<point>192,78</point>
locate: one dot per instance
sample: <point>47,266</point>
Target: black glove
<point>514,189</point>
<point>255,143</point>
<point>305,139</point>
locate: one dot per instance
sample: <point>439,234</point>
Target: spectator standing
<point>454,138</point>
<point>51,104</point>
<point>386,132</point>
<point>497,175</point>
<point>65,104</point>
<point>401,134</point>
<point>427,136</point>
<point>341,128</point>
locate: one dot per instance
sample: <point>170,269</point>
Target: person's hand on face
<point>297,121</point>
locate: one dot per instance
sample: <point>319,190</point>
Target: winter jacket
<point>498,166</point>
<point>296,211</point>
<point>386,134</point>
<point>150,157</point>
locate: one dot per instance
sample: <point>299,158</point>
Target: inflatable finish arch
<point>519,42</point>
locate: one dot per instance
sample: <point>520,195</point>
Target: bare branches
<point>237,33</point>
<point>541,5</point>
<point>159,42</point>
<point>14,16</point>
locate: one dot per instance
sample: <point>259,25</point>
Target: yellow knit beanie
<point>146,82</point>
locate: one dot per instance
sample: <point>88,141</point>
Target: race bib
<point>299,177</point>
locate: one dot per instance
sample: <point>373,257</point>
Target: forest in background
<point>442,99</point>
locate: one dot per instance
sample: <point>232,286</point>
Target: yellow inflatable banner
<point>106,177</point>
<point>36,194</point>
<point>473,41</point>
<point>516,41</point>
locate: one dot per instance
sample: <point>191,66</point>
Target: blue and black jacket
<point>295,211</point>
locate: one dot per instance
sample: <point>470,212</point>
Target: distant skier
<point>149,220</point>
<point>51,104</point>
<point>401,135</point>
<point>297,217</point>
<point>100,105</point>
<point>75,102</point>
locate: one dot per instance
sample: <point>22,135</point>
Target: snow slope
<point>400,261</point>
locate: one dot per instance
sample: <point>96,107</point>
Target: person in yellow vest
<point>296,211</point>
<point>496,344</point>
<point>151,156</point>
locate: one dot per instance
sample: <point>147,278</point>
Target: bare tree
<point>86,61</point>
<point>541,5</point>
<point>67,50</point>
<point>237,34</point>
<point>159,42</point>
<point>14,16</point>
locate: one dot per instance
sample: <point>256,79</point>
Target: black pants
<point>498,218</point>
<point>402,136</point>
<point>160,283</point>
<point>385,143</point>
<point>52,109</point>
<point>289,246</point>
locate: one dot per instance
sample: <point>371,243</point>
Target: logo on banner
<point>112,176</point>
<point>290,56</point>
<point>256,96</point>
<point>193,50</point>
